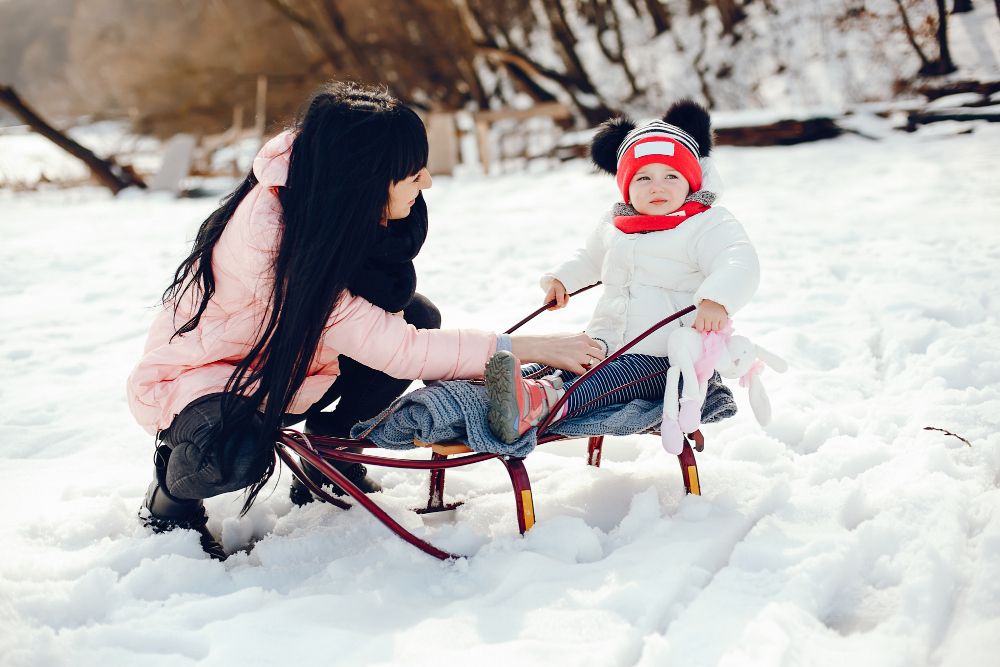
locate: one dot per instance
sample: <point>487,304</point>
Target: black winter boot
<point>357,473</point>
<point>162,512</point>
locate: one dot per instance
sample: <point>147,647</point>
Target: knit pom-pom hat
<point>679,140</point>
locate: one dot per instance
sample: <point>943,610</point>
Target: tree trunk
<point>700,71</point>
<point>354,50</point>
<point>523,77</point>
<point>605,19</point>
<point>330,35</point>
<point>661,17</point>
<point>498,45</point>
<point>595,112</point>
<point>107,173</point>
<point>459,47</point>
<point>310,27</point>
<point>924,62</point>
<point>567,43</point>
<point>961,6</point>
<point>731,14</point>
<point>943,65</point>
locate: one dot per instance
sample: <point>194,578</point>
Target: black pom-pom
<point>604,147</point>
<point>693,119</point>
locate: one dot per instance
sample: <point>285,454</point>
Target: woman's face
<point>402,194</point>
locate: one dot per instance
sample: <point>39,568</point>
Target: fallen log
<point>916,118</point>
<point>780,133</point>
<point>107,173</point>
<point>933,91</point>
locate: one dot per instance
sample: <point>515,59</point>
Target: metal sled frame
<point>320,450</point>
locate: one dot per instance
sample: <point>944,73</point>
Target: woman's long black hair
<point>351,143</point>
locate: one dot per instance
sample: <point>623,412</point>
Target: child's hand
<point>556,291</point>
<point>712,316</point>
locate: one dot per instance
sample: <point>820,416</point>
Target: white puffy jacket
<point>650,276</point>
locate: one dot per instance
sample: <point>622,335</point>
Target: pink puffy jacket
<point>172,374</point>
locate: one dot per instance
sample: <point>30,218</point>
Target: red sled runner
<point>318,451</point>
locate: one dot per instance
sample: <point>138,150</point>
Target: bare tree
<point>943,64</point>
<point>661,16</point>
<point>496,23</point>
<point>425,56</point>
<point>911,37</point>
<point>700,69</point>
<point>604,17</point>
<point>731,14</point>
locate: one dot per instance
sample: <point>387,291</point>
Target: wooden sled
<point>319,451</point>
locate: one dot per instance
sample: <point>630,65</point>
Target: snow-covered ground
<point>843,533</point>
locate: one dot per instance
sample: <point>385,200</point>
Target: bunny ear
<point>759,402</point>
<point>772,360</point>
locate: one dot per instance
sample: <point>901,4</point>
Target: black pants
<point>201,465</point>
<point>364,392</point>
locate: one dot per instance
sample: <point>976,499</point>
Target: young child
<point>661,249</point>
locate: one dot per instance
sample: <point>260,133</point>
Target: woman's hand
<point>570,352</point>
<point>711,316</point>
<point>556,291</point>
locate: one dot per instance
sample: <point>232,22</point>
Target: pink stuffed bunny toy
<point>695,356</point>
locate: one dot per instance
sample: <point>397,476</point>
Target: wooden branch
<point>702,71</point>
<point>617,28</point>
<point>518,63</point>
<point>559,26</point>
<point>954,435</point>
<point>553,110</point>
<point>924,61</point>
<point>107,173</point>
<point>528,84</point>
<point>532,68</point>
<point>311,29</point>
<point>575,84</point>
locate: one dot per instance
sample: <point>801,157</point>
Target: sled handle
<point>550,418</point>
<point>544,308</point>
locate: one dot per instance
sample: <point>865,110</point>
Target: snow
<point>24,159</point>
<point>843,533</point>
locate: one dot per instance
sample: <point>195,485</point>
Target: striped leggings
<point>628,377</point>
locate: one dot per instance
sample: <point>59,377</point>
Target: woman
<point>258,314</point>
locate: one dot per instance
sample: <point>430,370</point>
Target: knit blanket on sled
<point>455,411</point>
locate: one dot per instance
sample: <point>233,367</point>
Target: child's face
<point>657,189</point>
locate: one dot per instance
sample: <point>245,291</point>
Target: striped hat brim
<point>658,128</point>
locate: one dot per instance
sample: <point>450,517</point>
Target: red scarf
<point>640,224</point>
